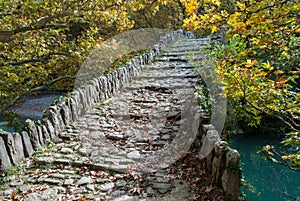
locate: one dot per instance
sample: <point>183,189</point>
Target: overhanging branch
<point>280,117</point>
<point>282,162</point>
<point>39,59</point>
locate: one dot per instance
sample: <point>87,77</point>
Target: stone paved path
<point>125,147</point>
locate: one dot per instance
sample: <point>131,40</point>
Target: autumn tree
<point>169,16</point>
<point>43,43</point>
<point>259,62</point>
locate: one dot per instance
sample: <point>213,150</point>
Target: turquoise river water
<point>272,182</point>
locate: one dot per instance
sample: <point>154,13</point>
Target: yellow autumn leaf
<point>251,63</point>
<point>224,13</point>
<point>241,5</point>
<point>278,72</point>
<point>255,41</point>
<point>217,16</point>
<point>163,2</point>
<point>214,29</point>
<point>192,6</point>
<point>155,7</point>
<point>204,17</point>
<point>267,65</point>
<point>217,2</point>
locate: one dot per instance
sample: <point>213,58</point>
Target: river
<point>31,108</point>
<point>272,182</point>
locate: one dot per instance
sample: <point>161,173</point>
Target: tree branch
<point>271,6</point>
<point>40,59</point>
<point>283,162</point>
<point>41,23</point>
<point>263,8</point>
<point>288,124</point>
<point>32,28</point>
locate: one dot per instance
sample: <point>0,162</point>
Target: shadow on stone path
<point>125,147</point>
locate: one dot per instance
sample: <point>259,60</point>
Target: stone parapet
<point>223,162</point>
<point>14,147</point>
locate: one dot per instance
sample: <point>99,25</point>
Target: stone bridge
<point>132,134</point>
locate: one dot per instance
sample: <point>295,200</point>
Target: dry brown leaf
<point>137,190</point>
<point>208,189</point>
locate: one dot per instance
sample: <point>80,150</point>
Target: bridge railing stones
<point>14,147</point>
<point>223,162</point>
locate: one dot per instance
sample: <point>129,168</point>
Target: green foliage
<point>170,16</point>
<point>204,98</point>
<point>43,43</point>
<point>293,139</point>
<point>13,170</point>
<point>13,121</point>
<point>259,63</point>
<point>253,85</point>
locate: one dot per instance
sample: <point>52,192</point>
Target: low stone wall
<point>14,147</point>
<point>223,162</point>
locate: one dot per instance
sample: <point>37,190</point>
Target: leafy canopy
<point>43,43</point>
<point>259,63</point>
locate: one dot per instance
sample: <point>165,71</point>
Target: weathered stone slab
<point>231,177</point>
<point>126,76</point>
<point>73,109</point>
<point>56,118</point>
<point>80,101</point>
<point>14,146</point>
<point>92,94</point>
<point>28,150</point>
<point>106,187</point>
<point>208,142</point>
<point>51,130</point>
<point>219,161</point>
<point>65,113</point>
<point>101,87</point>
<point>49,194</point>
<point>40,134</point>
<point>30,127</point>
<point>109,84</point>
<point>19,149</point>
<point>96,90</point>
<point>77,104</point>
<point>4,157</point>
<point>46,135</point>
<point>86,96</point>
<point>114,83</point>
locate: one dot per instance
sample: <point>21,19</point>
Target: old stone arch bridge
<point>132,134</point>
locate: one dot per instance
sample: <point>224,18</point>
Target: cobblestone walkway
<point>126,146</point>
